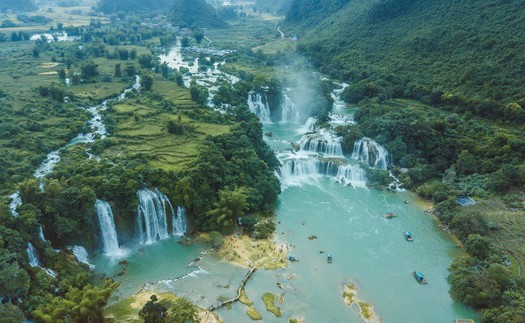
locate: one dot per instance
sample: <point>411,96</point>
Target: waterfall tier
<point>35,262</point>
<point>108,231</point>
<point>323,142</point>
<point>81,254</point>
<point>180,222</point>
<point>290,112</point>
<point>371,153</point>
<point>152,215</point>
<point>300,168</point>
<point>258,105</point>
<point>16,201</point>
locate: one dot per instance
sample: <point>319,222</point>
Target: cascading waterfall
<point>258,105</point>
<point>35,262</point>
<point>16,201</point>
<point>152,215</point>
<point>323,142</point>
<point>371,153</point>
<point>297,169</point>
<point>290,111</point>
<point>351,175</point>
<point>180,222</point>
<point>81,254</point>
<point>108,232</point>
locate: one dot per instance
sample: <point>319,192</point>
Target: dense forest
<point>421,50</point>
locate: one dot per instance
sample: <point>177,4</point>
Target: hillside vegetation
<point>114,6</point>
<point>472,51</point>
<point>195,13</point>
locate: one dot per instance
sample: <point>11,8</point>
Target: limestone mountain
<point>114,6</point>
<point>195,13</point>
<point>417,49</point>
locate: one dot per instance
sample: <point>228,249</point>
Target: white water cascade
<point>16,201</point>
<point>323,142</point>
<point>35,262</point>
<point>290,112</point>
<point>180,222</point>
<point>152,215</point>
<point>258,105</point>
<point>81,254</point>
<point>300,168</point>
<point>108,231</point>
<point>371,153</point>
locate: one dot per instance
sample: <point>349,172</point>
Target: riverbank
<point>127,310</point>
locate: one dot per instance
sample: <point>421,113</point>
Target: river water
<point>347,221</point>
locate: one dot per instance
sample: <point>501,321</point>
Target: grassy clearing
<point>510,235</point>
<point>281,45</point>
<point>269,301</point>
<point>142,130</point>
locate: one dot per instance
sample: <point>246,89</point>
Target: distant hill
<point>17,5</point>
<point>273,6</point>
<point>417,48</point>
<point>195,13</point>
<point>312,11</point>
<point>114,6</point>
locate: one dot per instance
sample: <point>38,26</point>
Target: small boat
<point>390,215</point>
<point>292,258</point>
<point>329,258</point>
<point>419,277</point>
<point>408,236</point>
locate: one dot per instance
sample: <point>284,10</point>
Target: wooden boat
<point>329,258</point>
<point>292,258</point>
<point>390,215</point>
<point>419,277</point>
<point>408,236</point>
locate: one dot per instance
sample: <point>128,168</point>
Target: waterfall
<point>370,153</point>
<point>351,175</point>
<point>180,222</point>
<point>152,215</point>
<point>35,262</point>
<point>16,201</point>
<point>108,232</point>
<point>258,105</point>
<point>290,113</point>
<point>41,234</point>
<point>323,142</point>
<point>81,254</point>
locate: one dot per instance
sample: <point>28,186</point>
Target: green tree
<point>198,34</point>
<point>146,82</point>
<point>182,311</point>
<point>118,72</point>
<point>479,247</point>
<point>11,313</point>
<point>89,69</point>
<point>216,239</point>
<point>153,312</point>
